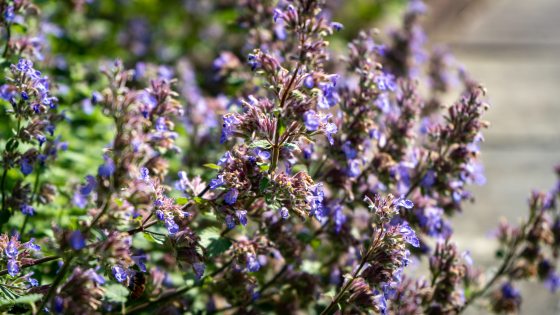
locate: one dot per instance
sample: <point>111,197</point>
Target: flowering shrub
<point>293,178</point>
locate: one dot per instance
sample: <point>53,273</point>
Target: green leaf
<point>116,293</point>
<point>263,184</point>
<point>264,144</point>
<point>263,166</point>
<point>212,166</point>
<point>291,146</point>
<point>182,200</point>
<point>25,299</point>
<point>218,246</point>
<point>215,244</point>
<point>152,239</point>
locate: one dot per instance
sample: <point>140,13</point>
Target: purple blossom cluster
<point>336,172</point>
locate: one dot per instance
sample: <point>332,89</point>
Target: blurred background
<point>512,48</point>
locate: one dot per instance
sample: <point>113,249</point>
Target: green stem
<point>32,201</point>
<point>4,173</point>
<point>173,295</point>
<point>56,282</point>
<point>8,37</point>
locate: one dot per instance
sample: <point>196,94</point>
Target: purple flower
<point>405,203</point>
<point>90,185</point>
<point>284,213</point>
<point>429,179</point>
<point>144,174</point>
<point>33,282</point>
<point>330,130</point>
<point>329,97</point>
<point>308,82</point>
<point>79,200</point>
<point>77,240</point>
<point>381,302</point>
<point>160,124</point>
<point>409,235</point>
<point>160,215</point>
<point>337,26</point>
<point>278,14</point>
<point>552,282</point>
<point>171,226</point>
<point>349,151</point>
<point>354,168</point>
<point>263,154</point>
<point>252,263</point>
<point>385,82</point>
<point>31,245</point>
<point>9,14</point>
<point>225,159</point>
<point>140,261</point>
<point>467,257</point>
<point>311,120</point>
<point>338,217</point>
<point>199,270</point>
<point>119,273</point>
<point>509,292</point>
<point>231,196</point>
<point>11,250</point>
<point>241,216</point>
<point>315,200</point>
<point>58,304</point>
<point>94,276</point>
<point>26,166</point>
<point>106,169</point>
<point>253,62</point>
<point>228,127</point>
<point>27,209</point>
<point>13,267</point>
<point>24,65</point>
<point>230,222</point>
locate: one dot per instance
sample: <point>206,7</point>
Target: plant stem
<point>3,184</point>
<point>8,37</point>
<point>170,296</point>
<point>56,282</point>
<point>365,258</point>
<point>276,136</point>
<point>34,263</point>
<point>32,201</point>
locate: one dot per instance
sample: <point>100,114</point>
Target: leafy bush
<point>232,160</point>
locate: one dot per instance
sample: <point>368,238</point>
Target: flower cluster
<point>308,177</point>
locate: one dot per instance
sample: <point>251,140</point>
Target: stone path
<point>513,48</point>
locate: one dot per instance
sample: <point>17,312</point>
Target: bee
<point>137,285</point>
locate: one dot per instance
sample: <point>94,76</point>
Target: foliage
<point>244,156</point>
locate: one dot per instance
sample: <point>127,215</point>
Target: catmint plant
<point>282,175</point>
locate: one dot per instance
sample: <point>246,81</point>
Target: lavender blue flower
<point>26,166</point>
<point>231,196</point>
<point>241,216</point>
<point>27,210</point>
<point>119,273</point>
<point>31,245</point>
<point>171,226</point>
<point>199,270</point>
<point>77,240</point>
<point>13,267</point>
<point>106,169</point>
<point>230,222</point>
<point>11,250</point>
<point>252,263</point>
<point>217,182</point>
<point>284,213</point>
<point>409,235</point>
